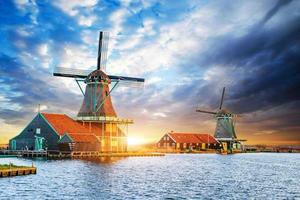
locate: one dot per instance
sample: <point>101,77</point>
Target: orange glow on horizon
<point>134,140</point>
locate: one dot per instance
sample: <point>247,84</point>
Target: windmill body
<point>97,111</point>
<point>96,100</point>
<point>225,128</point>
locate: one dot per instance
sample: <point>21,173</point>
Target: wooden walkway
<point>76,154</point>
<point>17,171</point>
<point>91,154</point>
<point>23,153</point>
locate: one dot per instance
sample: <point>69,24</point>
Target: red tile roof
<point>64,124</point>
<point>192,138</point>
<point>83,137</point>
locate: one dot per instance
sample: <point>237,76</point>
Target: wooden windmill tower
<point>225,129</point>
<point>97,111</point>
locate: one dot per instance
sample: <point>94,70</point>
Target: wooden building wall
<point>79,146</point>
<point>26,139</point>
<point>112,137</point>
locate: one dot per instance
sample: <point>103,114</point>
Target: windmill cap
<point>97,75</point>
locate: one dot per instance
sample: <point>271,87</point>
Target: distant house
<point>187,141</point>
<point>56,132</point>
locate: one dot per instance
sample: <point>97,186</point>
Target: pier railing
<point>76,154</point>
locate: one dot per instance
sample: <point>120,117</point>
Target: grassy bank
<point>10,166</point>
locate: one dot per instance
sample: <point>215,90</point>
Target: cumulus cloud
<point>72,8</point>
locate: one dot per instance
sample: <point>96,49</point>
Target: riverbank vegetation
<point>10,166</point>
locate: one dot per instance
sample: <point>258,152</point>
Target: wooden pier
<point>76,154</point>
<point>94,154</point>
<point>23,153</point>
<point>17,171</point>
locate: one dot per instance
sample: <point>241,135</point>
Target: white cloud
<point>87,21</point>
<point>43,49</point>
<point>89,37</point>
<point>26,6</point>
<point>44,55</point>
<point>41,107</point>
<point>72,7</point>
<point>77,57</point>
<point>179,41</point>
<point>153,80</point>
<point>20,44</point>
<point>147,28</point>
<point>21,3</point>
<point>136,39</point>
<point>117,18</point>
<point>24,31</point>
<point>159,114</point>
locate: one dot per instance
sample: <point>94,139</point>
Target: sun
<point>132,141</point>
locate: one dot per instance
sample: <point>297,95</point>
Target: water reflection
<point>103,160</point>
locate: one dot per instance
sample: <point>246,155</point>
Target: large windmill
<point>225,129</point>
<point>97,110</point>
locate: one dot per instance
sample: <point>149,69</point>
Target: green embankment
<point>10,166</point>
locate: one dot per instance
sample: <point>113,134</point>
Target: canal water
<point>181,176</point>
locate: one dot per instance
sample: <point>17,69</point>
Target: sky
<point>186,50</point>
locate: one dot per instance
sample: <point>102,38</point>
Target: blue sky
<point>186,50</point>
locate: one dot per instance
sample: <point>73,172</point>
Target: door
<point>13,145</point>
<point>38,144</point>
<point>224,146</point>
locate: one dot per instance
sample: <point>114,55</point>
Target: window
<point>38,131</point>
<point>167,138</point>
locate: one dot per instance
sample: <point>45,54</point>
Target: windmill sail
<point>82,74</point>
<point>205,111</point>
<point>102,50</point>
<point>71,73</point>
<point>222,98</point>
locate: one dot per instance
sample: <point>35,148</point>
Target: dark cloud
<point>263,68</point>
<point>28,88</point>
<point>269,59</point>
<point>274,10</point>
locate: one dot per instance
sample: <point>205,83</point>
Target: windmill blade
<point>127,81</point>
<point>126,78</point>
<point>222,98</point>
<point>71,73</point>
<point>131,84</point>
<point>205,111</point>
<point>102,50</point>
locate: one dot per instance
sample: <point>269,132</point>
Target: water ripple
<point>240,176</point>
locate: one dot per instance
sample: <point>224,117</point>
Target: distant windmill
<point>225,130</point>
<point>97,105</point>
